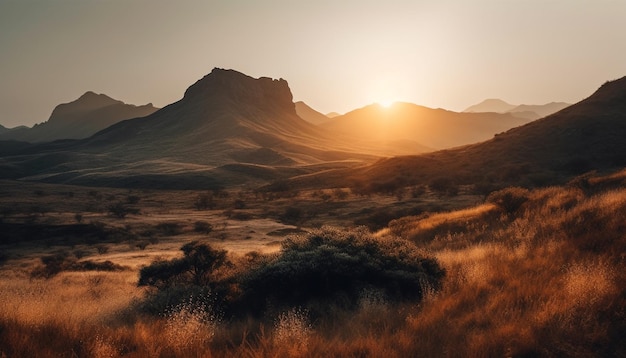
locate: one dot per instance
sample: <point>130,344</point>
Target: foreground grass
<point>545,279</point>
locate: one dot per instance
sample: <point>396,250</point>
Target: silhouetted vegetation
<point>328,267</point>
<point>333,267</point>
<point>509,199</point>
<point>169,228</point>
<point>204,201</point>
<point>202,227</point>
<point>121,210</point>
<point>54,264</point>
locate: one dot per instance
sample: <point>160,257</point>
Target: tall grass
<point>546,280</point>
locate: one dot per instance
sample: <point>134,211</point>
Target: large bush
<point>330,266</point>
<point>326,268</point>
<point>509,199</point>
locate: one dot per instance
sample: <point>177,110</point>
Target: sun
<point>386,103</point>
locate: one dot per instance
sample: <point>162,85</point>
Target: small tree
<point>196,267</point>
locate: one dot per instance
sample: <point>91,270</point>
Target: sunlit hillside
<point>526,273</point>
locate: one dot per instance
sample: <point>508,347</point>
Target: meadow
<point>536,272</point>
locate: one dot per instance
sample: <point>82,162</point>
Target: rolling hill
<point>79,119</point>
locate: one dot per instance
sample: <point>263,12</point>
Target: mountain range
<point>430,128</point>
<point>232,129</point>
<point>530,112</point>
<point>583,137</point>
<point>228,128</point>
<point>78,119</point>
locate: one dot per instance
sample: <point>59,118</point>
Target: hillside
<point>583,137</point>
<point>433,128</point>
<point>310,115</point>
<point>79,119</point>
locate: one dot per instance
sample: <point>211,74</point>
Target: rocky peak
<point>233,86</point>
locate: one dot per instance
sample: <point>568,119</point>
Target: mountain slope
<point>582,137</point>
<point>309,114</point>
<point>79,119</point>
<point>434,128</point>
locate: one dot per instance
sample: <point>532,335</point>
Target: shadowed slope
<point>309,114</point>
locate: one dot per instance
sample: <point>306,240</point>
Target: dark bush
<point>292,215</point>
<point>169,229</point>
<point>333,267</point>
<point>509,199</point>
<point>120,210</point>
<point>133,199</point>
<point>204,202</point>
<point>444,186</point>
<point>56,263</point>
<point>202,227</point>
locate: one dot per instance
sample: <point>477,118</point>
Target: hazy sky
<point>336,55</point>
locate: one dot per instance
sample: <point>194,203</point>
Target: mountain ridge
<point>79,119</point>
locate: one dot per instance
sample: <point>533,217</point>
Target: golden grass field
<point>545,279</point>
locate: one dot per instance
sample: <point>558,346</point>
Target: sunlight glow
<point>386,103</point>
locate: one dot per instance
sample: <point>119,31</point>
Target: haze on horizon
<point>336,56</point>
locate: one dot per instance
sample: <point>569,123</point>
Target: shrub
<point>133,199</point>
<point>204,202</point>
<point>333,267</point>
<point>120,211</point>
<point>444,186</point>
<point>56,263</point>
<point>169,229</point>
<point>292,215</point>
<point>202,227</point>
<point>509,199</point>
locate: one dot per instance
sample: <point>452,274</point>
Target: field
<point>527,273</point>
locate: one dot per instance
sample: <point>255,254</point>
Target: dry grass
<point>546,281</point>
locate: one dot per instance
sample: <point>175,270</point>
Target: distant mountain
<point>491,105</point>
<point>586,136</point>
<point>3,129</point>
<point>79,119</point>
<point>332,114</point>
<point>433,128</point>
<point>310,115</point>
<point>540,110</point>
<point>530,112</point>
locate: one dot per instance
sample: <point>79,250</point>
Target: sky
<point>336,55</point>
